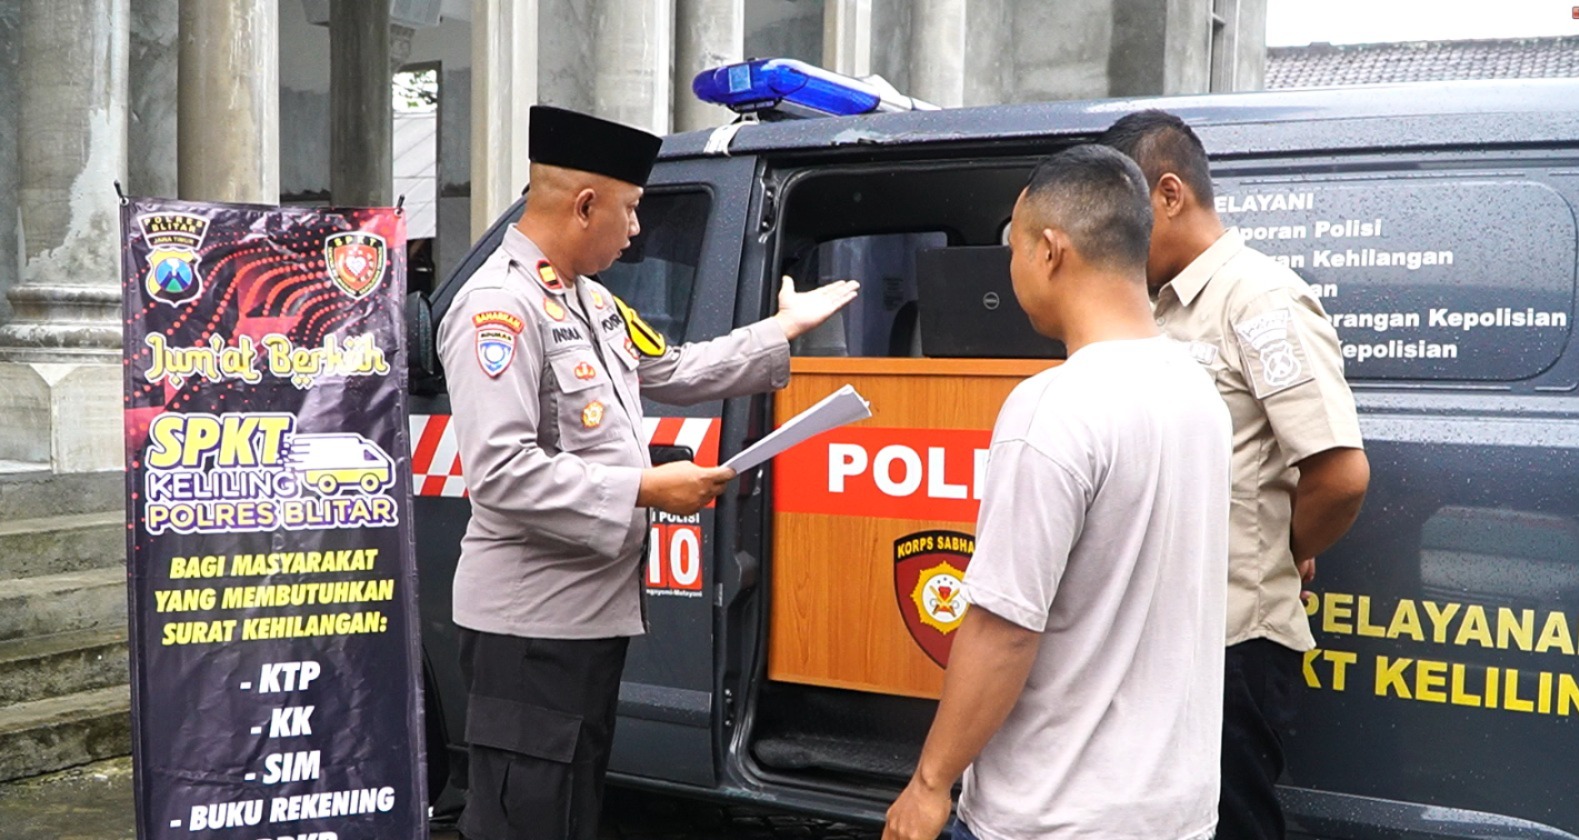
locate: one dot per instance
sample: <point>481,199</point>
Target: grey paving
<point>88,803</point>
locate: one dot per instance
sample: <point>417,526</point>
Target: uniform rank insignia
<point>553,309</point>
<point>496,332</point>
<point>584,371</point>
<point>647,341</point>
<point>592,415</point>
<point>1273,353</point>
<point>597,299</point>
<point>549,277</point>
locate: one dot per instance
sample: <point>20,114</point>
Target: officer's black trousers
<point>1258,704</point>
<point>540,724</point>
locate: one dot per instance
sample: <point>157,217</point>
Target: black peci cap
<point>557,137</point>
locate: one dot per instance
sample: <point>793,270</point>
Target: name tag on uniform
<point>566,335</point>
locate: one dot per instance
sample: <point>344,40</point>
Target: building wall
<point>1016,51</point>
<point>892,29</point>
<point>1250,45</point>
<point>992,68</point>
<point>304,105</point>
<point>304,115</point>
<point>566,53</point>
<point>784,29</point>
<point>1063,50</point>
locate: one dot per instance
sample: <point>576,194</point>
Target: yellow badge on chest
<point>592,415</point>
<point>647,341</point>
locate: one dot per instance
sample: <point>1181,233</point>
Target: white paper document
<point>838,408</point>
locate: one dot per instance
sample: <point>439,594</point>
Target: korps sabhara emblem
<point>929,573</point>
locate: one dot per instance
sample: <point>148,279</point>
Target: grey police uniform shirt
<point>545,385</point>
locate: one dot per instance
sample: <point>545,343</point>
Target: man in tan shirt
<point>1299,472</point>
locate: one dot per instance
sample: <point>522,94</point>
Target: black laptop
<point>967,307</point>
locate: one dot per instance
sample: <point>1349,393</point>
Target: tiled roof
<point>1329,65</point>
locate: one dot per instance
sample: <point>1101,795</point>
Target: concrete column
<point>1160,47</point>
<point>503,89</point>
<point>990,76</point>
<point>154,73</point>
<point>361,107</point>
<point>1249,45</point>
<point>60,368</point>
<point>10,65</point>
<point>847,36</point>
<point>71,148</point>
<point>230,101</point>
<point>632,79</point>
<point>937,51</point>
<point>707,33</point>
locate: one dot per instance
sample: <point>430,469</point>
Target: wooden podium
<point>842,500</point>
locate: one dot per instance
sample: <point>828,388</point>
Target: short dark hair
<point>1099,198</point>
<point>1161,142</point>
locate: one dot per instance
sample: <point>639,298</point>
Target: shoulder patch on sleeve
<point>496,331</point>
<point>648,341</point>
<point>1274,355</point>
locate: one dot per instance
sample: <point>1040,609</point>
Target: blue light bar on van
<point>795,88</point>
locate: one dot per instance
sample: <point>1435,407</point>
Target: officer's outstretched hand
<point>681,488</point>
<point>800,311</point>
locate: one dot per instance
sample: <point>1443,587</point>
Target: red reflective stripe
<point>428,443</point>
<point>668,430</point>
<point>434,484</point>
<point>707,456</point>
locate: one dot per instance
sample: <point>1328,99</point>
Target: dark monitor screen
<point>967,307</point>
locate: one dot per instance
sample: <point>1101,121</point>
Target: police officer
<point>1299,470</point>
<point>546,369</point>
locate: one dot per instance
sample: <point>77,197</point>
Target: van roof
<point>1436,114</point>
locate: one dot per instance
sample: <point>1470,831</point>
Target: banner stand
<point>275,644</point>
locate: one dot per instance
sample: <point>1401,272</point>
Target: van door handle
<point>746,570</point>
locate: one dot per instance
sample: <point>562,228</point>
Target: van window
<point>883,319</point>
<point>885,227</point>
<point>1430,280</point>
<point>657,273</point>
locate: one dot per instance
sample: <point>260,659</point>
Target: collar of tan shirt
<point>1193,279</point>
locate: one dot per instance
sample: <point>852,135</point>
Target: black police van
<point>1437,224</point>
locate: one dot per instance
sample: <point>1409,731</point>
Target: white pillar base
<point>66,416</point>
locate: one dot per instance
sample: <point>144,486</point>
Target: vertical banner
<point>274,634</point>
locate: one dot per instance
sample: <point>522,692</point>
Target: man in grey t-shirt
<point>1084,686</point>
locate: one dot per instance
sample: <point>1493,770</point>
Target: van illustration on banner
<point>333,462</point>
